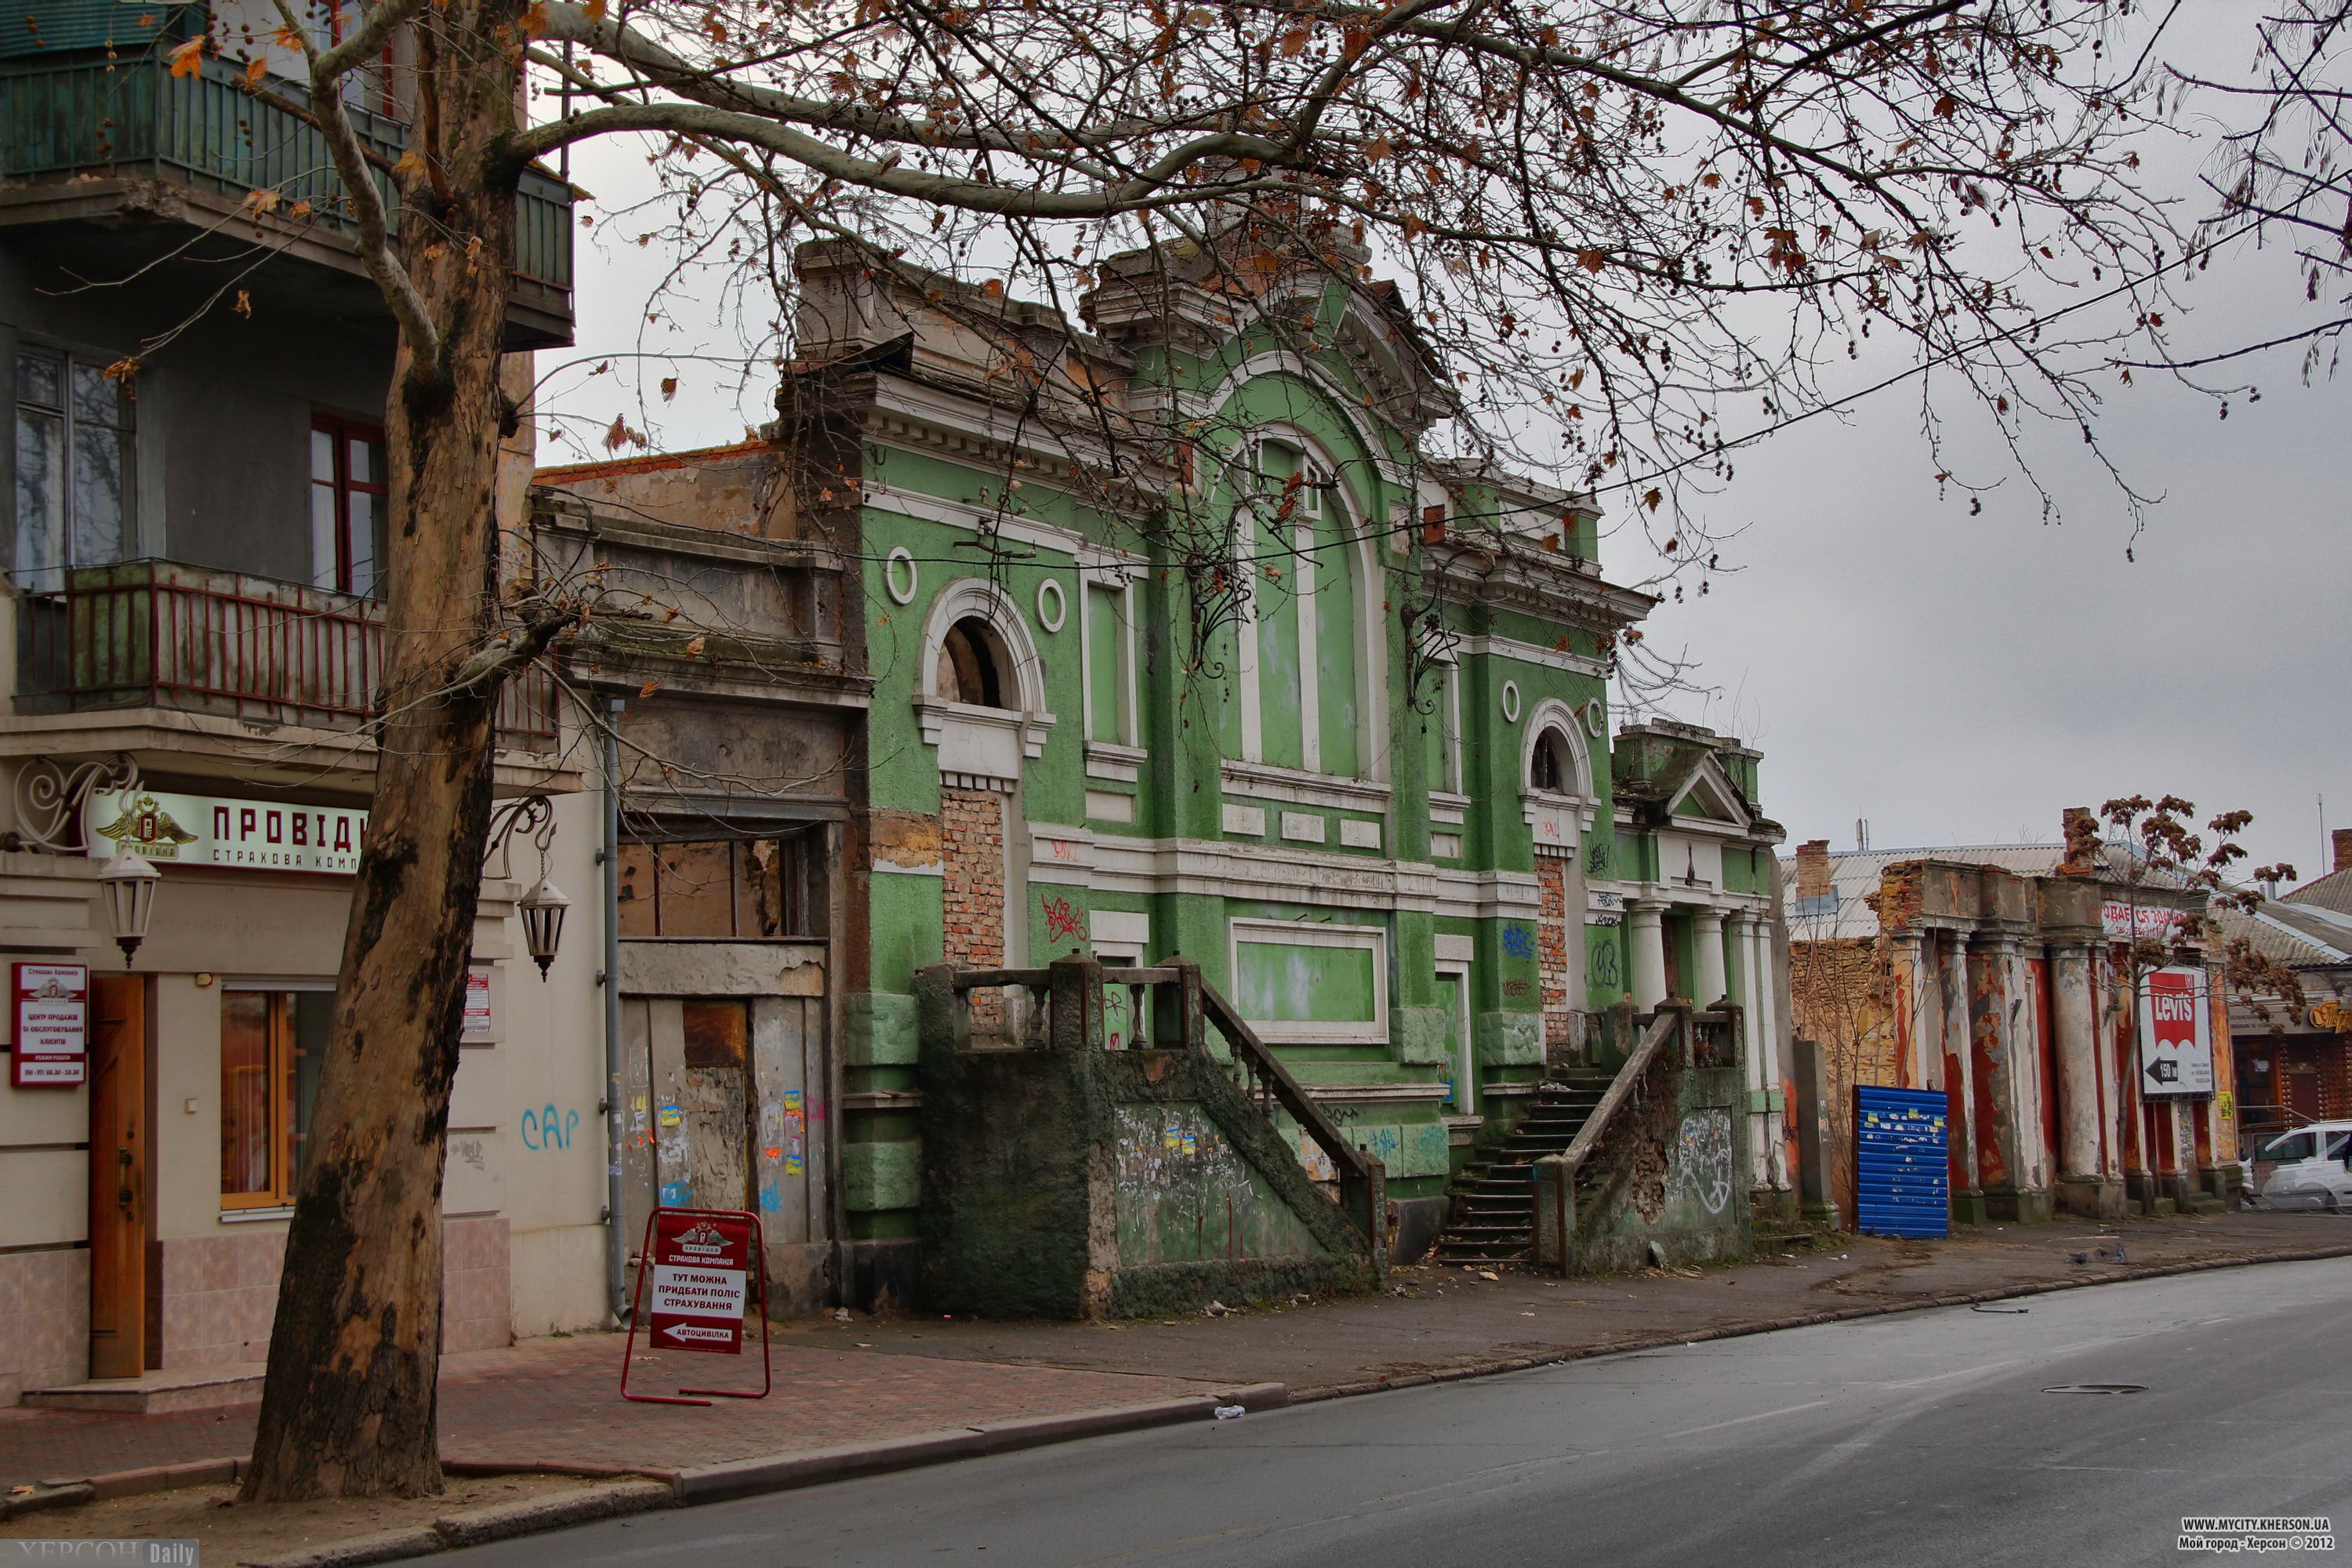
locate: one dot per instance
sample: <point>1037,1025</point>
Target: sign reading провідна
<point>204,830</point>
<point>702,1279</point>
<point>52,1024</point>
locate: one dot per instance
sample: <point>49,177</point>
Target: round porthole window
<point>1052,608</point>
<point>897,566</point>
<point>1511,701</point>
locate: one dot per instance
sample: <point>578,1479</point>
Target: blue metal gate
<point>1902,1174</point>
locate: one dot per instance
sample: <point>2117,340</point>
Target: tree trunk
<point>348,1405</point>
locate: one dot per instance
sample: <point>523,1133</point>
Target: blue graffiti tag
<point>1518,940</point>
<point>548,1129</point>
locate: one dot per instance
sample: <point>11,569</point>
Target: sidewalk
<point>864,1383</point>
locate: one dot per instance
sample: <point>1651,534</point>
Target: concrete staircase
<point>1494,1211</point>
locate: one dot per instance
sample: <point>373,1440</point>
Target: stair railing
<point>1555,1174</point>
<point>1179,1003</point>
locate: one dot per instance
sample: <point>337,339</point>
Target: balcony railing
<point>158,634</point>
<point>133,116</point>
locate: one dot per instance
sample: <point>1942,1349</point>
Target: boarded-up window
<point>743,890</point>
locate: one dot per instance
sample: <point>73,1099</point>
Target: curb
<point>476,1527</point>
<point>783,1472</point>
<point>1803,1320</point>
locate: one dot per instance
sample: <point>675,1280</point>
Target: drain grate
<point>2098,1388</point>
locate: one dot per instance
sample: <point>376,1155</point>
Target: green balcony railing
<point>98,116</point>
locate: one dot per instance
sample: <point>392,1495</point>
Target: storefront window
<point>271,1045</point>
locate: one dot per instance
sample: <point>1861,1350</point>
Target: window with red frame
<point>347,502</point>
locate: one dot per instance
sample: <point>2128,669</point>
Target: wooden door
<point>715,1047</point>
<point>118,1176</point>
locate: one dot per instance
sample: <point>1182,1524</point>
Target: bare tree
<point>1612,224</point>
<point>2284,172</point>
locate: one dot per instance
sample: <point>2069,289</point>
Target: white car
<point>2307,1168</point>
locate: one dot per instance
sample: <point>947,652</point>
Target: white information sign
<point>52,1022</point>
<point>206,830</point>
<point>2176,1038</point>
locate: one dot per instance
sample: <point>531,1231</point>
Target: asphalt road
<point>1927,1438</point>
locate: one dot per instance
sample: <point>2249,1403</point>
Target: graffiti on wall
<point>548,1129</point>
<point>1702,1159</point>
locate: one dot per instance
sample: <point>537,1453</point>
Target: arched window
<point>970,664</point>
<point>1551,766</point>
<point>1301,705</point>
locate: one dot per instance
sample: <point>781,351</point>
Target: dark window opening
<point>970,664</point>
<point>741,889</point>
<point>1550,768</point>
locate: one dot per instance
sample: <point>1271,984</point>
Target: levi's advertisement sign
<point>700,1280</point>
<point>2176,1040</point>
<point>206,830</point>
<point>52,1024</point>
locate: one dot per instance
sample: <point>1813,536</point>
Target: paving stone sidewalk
<point>869,1381</point>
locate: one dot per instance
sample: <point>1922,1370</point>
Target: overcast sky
<point>1951,679</point>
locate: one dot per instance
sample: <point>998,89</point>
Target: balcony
<point>94,120</point>
<point>156,634</point>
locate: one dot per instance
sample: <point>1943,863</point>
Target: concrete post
<point>1709,985</point>
<point>2084,1187</point>
<point>2003,1037</point>
<point>1959,1079</point>
<point>1768,1030</point>
<point>1751,1051</point>
<point>1814,1162</point>
<point>1921,1049</point>
<point>1644,918</point>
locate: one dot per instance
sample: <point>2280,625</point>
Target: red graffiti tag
<point>1061,919</point>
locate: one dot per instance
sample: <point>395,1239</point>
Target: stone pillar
<point>1917,1037</point>
<point>1644,918</point>
<point>1959,1081</point>
<point>1710,984</point>
<point>1777,1063</point>
<point>2084,1187</point>
<point>2002,1033</point>
<point>1752,1055</point>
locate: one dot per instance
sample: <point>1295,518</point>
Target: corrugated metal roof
<point>2333,891</point>
<point>2273,939</point>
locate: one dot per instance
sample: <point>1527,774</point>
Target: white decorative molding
<point>1109,805</point>
<point>1249,819</point>
<point>1120,928</point>
<point>1303,827</point>
<point>1456,949</point>
<point>1121,765</point>
<point>1511,701</point>
<point>901,556</point>
<point>1317,934</point>
<point>1534,653</point>
<point>1357,833</point>
<point>1264,781</point>
<point>1445,846</point>
<point>1377,1093</point>
<point>1450,809</point>
<point>1049,590</point>
<point>997,783</point>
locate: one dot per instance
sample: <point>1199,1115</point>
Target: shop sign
<point>2332,1014</point>
<point>2176,1041</point>
<point>208,830</point>
<point>2124,921</point>
<point>701,1279</point>
<point>52,1024</point>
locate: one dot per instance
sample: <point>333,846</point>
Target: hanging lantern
<point>542,921</point>
<point>128,883</point>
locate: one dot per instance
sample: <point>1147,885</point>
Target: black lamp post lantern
<point>129,882</point>
<point>542,921</point>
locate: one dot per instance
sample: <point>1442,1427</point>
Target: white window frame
<point>1315,933</point>
<point>1121,584</point>
<point>1320,480</point>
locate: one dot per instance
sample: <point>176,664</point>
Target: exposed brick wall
<point>1552,950</point>
<point>972,846</point>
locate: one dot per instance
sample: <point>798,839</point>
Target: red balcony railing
<point>159,634</point>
